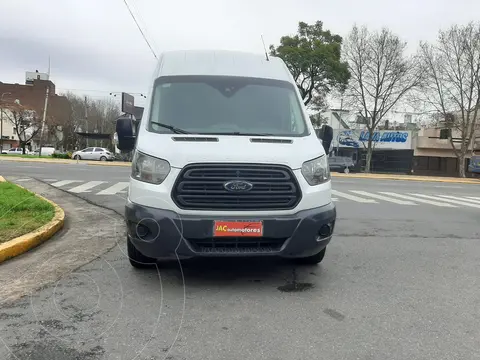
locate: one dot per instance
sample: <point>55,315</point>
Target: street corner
<point>24,243</point>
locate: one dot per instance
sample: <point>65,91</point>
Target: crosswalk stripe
<point>460,198</point>
<point>64,182</point>
<point>85,187</point>
<point>112,190</point>
<point>463,203</point>
<point>353,197</point>
<point>473,197</point>
<point>431,202</point>
<point>384,198</point>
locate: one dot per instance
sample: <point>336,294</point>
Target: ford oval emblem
<point>238,186</point>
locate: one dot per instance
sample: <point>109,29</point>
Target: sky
<point>95,47</point>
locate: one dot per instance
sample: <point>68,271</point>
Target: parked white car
<point>16,151</point>
<point>93,153</point>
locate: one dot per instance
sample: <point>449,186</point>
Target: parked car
<point>16,151</point>
<point>341,164</point>
<point>267,199</point>
<point>474,165</point>
<point>93,153</point>
<point>46,151</point>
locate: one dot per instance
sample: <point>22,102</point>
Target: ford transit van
<point>226,163</point>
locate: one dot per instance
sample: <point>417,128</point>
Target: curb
<point>28,241</point>
<point>407,178</point>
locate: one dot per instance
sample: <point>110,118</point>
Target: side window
<point>88,150</point>
<point>98,149</point>
<point>296,114</point>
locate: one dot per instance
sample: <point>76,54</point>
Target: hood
<point>180,150</point>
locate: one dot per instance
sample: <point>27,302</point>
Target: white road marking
<point>334,199</point>
<point>49,179</point>
<point>384,198</point>
<point>114,189</point>
<point>405,197</point>
<point>22,180</point>
<point>473,197</point>
<point>353,197</point>
<point>448,200</point>
<point>86,187</point>
<point>460,198</point>
<point>64,182</point>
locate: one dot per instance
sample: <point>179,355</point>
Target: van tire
<point>137,259</point>
<point>312,260</point>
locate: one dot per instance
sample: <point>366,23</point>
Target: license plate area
<point>237,228</point>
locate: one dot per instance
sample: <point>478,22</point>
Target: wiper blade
<point>170,127</point>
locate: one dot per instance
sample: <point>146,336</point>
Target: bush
<point>62,156</point>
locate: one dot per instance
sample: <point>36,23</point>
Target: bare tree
<point>451,67</point>
<point>381,75</point>
<point>25,122</point>
<point>94,116</point>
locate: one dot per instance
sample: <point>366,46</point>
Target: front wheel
<point>346,170</point>
<point>103,158</point>
<point>137,259</point>
<point>312,260</point>
<point>77,157</point>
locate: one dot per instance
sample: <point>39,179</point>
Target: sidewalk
<point>408,178</point>
<point>89,232</point>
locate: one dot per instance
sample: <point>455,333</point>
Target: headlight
<point>149,169</point>
<point>316,171</point>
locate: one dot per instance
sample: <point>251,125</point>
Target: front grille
<point>201,187</point>
<point>237,244</point>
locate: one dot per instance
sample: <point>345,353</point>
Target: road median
<point>46,217</point>
<point>65,161</point>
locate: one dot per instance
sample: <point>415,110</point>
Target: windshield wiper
<point>170,127</point>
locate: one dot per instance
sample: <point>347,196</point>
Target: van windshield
<point>226,105</point>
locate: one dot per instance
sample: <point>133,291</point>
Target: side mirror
<point>125,135</point>
<point>326,135</point>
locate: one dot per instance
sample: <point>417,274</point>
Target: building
<point>393,140</point>
<point>434,155</point>
<point>31,96</point>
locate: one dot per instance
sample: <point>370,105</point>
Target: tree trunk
<point>369,154</point>
<point>461,165</point>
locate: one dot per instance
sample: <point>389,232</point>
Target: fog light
<point>325,231</point>
<point>142,231</point>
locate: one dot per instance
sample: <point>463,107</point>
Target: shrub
<point>62,156</point>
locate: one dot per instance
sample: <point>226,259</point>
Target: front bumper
<point>159,233</point>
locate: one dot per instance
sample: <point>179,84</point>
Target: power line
<point>139,28</point>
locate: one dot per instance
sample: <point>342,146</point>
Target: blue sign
<point>387,138</point>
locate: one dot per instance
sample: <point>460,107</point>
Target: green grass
<point>27,156</point>
<point>21,211</point>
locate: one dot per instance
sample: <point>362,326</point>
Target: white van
<point>226,163</point>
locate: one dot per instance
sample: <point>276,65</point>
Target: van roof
<point>222,63</point>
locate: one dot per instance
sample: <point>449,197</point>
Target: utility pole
<point>43,120</point>
<point>86,117</point>
<point>340,117</point>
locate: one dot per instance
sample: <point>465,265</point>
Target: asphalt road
<point>399,281</point>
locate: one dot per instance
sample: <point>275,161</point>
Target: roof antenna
<point>264,48</point>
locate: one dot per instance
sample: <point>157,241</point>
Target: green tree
<point>313,56</point>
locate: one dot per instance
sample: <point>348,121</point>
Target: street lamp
<point>1,121</point>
